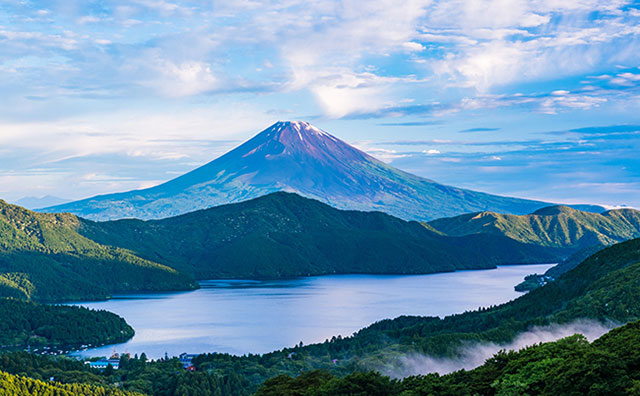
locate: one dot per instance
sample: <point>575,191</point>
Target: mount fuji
<point>298,157</point>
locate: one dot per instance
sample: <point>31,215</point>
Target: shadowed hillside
<point>284,235</point>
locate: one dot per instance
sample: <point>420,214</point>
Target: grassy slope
<point>556,226</point>
<point>43,257</point>
<point>285,235</point>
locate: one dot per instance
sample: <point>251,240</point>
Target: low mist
<point>475,355</point>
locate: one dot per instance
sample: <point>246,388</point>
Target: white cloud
<point>494,46</point>
<point>88,19</point>
<point>412,46</point>
<point>66,40</point>
<point>177,79</point>
<point>552,104</point>
<point>159,5</point>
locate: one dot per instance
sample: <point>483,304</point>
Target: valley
<point>602,288</point>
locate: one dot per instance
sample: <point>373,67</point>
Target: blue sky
<point>537,99</point>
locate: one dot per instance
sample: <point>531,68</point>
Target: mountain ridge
<point>284,235</point>
<point>555,226</point>
<point>297,157</point>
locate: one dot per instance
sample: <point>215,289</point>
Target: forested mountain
<point>280,235</point>
<point>26,324</point>
<point>297,157</point>
<point>576,233</point>
<point>554,226</point>
<point>286,235</point>
<point>43,257</point>
<point>571,366</point>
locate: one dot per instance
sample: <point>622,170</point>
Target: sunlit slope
<point>43,257</point>
<point>15,385</point>
<point>555,226</point>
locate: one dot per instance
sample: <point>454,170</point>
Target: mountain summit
<point>298,157</point>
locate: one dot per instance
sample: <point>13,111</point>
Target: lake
<point>244,316</point>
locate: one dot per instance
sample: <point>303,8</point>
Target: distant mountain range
<point>40,202</point>
<point>298,157</point>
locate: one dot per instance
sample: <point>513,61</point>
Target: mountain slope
<point>286,235</point>
<point>297,157</point>
<point>570,366</point>
<point>555,226</point>
<point>43,257</point>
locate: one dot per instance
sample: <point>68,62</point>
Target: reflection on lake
<point>243,316</point>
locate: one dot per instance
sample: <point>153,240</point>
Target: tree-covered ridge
<point>285,235</point>
<point>571,366</point>
<point>27,324</point>
<point>43,257</point>
<point>555,226</point>
<point>13,385</point>
<point>280,235</point>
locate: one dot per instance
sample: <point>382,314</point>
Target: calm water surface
<point>238,316</point>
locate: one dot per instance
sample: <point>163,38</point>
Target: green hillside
<point>43,257</point>
<point>555,226</point>
<point>285,235</point>
<point>14,385</point>
<point>571,366</point>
